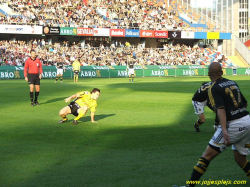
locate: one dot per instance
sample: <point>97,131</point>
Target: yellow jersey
<point>76,65</point>
<point>84,98</point>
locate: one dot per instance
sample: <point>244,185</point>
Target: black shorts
<point>74,108</point>
<point>76,72</point>
<point>34,79</point>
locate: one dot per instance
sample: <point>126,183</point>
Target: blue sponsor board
<point>200,35</point>
<point>132,33</point>
<point>225,36</point>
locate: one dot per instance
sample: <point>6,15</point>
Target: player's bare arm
<point>68,99</point>
<point>222,117</point>
<point>93,118</point>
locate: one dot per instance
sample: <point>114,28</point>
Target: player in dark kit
<point>60,69</point>
<point>131,71</point>
<point>33,73</point>
<point>199,102</point>
<point>230,105</point>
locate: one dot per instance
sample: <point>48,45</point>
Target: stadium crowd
<point>138,14</point>
<point>16,52</point>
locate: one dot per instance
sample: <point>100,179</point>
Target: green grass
<point>144,138</point>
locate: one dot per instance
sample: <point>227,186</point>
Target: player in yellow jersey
<point>76,69</point>
<point>83,101</point>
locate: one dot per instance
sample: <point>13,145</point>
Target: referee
<point>33,73</point>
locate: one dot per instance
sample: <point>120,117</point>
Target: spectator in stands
<point>12,53</point>
<point>76,13</point>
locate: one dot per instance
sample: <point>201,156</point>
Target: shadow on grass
<point>97,117</point>
<point>53,100</point>
<point>108,157</point>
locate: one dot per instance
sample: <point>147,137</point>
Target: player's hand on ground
<point>26,79</point>
<point>94,121</point>
<point>67,100</point>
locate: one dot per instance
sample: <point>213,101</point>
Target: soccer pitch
<point>144,136</point>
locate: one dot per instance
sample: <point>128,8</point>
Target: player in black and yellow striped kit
<point>83,101</point>
<point>60,69</point>
<point>230,105</point>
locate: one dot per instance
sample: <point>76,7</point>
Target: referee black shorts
<point>34,79</point>
<point>74,108</point>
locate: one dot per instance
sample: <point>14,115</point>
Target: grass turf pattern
<point>144,136</point>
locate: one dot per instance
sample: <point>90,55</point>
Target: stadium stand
<point>133,14</point>
<point>111,14</point>
<point>16,52</point>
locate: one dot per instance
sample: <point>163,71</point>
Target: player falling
<point>79,106</point>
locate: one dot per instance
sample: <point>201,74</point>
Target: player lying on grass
<point>83,101</point>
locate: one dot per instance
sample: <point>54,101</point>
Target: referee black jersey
<point>202,93</point>
<point>225,94</point>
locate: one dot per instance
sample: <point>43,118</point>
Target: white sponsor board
<point>21,29</point>
<point>101,32</point>
<point>186,34</point>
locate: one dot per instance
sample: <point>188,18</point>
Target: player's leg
<point>242,161</point>
<point>241,135</point>
<point>132,77</point>
<point>37,86</point>
<point>61,77</point>
<point>31,81</point>
<point>200,168</point>
<point>57,76</point>
<point>129,77</point>
<point>77,77</point>
<point>81,112</point>
<point>31,94</point>
<point>74,76</point>
<point>214,148</point>
<point>63,112</point>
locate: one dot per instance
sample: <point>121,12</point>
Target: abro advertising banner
<point>68,31</point>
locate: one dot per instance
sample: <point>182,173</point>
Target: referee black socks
<point>31,97</point>
<point>36,96</point>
